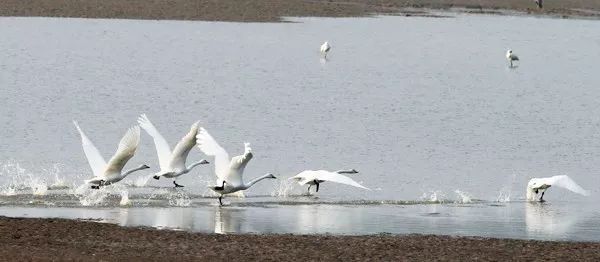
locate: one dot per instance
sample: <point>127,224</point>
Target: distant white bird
<point>540,185</point>
<point>229,172</point>
<point>312,177</point>
<point>511,57</point>
<point>325,47</point>
<point>106,174</point>
<point>172,164</point>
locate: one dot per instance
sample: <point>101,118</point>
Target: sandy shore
<point>273,10</point>
<point>60,239</point>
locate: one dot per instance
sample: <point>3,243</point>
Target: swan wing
<point>125,151</point>
<point>162,147</point>
<point>96,161</point>
<point>183,148</point>
<point>329,176</point>
<point>209,146</point>
<point>565,182</point>
<point>237,166</point>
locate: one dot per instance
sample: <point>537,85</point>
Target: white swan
<point>172,164</point>
<point>511,57</point>
<point>312,177</point>
<point>229,172</point>
<point>540,185</point>
<point>106,174</point>
<point>325,47</point>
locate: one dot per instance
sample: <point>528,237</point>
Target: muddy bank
<point>60,239</point>
<point>274,10</point>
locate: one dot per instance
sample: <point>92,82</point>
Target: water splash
<point>284,189</point>
<point>434,196</point>
<point>140,181</point>
<point>180,199</point>
<point>463,197</point>
<point>125,198</point>
<point>504,195</point>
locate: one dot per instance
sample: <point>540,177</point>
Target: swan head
<point>204,162</point>
<point>144,167</point>
<point>353,171</point>
<point>509,51</point>
<point>269,175</point>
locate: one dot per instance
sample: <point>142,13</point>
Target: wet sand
<point>60,239</point>
<point>274,10</point>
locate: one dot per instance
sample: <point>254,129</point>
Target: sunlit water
<point>426,109</point>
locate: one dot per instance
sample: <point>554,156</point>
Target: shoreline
<point>278,10</point>
<point>62,239</point>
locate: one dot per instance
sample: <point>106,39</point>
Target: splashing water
<point>433,196</point>
<point>284,189</point>
<point>180,199</point>
<point>125,198</point>
<point>463,197</point>
<point>505,192</point>
<point>140,181</point>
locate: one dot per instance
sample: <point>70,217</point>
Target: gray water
<point>427,110</point>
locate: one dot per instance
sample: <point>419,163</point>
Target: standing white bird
<point>511,57</point>
<point>106,174</point>
<point>539,3</point>
<point>229,172</point>
<point>325,47</point>
<point>540,185</point>
<point>172,164</point>
<point>312,177</point>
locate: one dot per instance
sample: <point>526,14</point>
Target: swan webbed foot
<point>176,185</point>
<point>156,177</point>
<point>95,187</point>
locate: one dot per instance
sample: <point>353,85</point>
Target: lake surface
<point>441,129</point>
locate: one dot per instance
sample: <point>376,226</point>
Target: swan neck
<point>191,166</point>
<point>254,181</point>
<point>131,171</point>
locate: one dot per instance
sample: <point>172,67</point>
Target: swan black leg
<point>176,185</point>
<point>317,186</point>
<point>309,189</point>
<point>220,202</point>
<point>542,197</point>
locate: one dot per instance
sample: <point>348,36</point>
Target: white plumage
<point>229,172</point>
<point>540,185</point>
<point>325,48</point>
<point>111,172</point>
<point>172,163</point>
<point>316,177</point>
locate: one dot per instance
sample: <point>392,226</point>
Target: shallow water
<point>426,109</point>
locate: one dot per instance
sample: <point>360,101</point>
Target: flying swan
<point>229,172</point>
<point>540,185</point>
<point>172,164</point>
<point>312,177</point>
<point>106,174</point>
